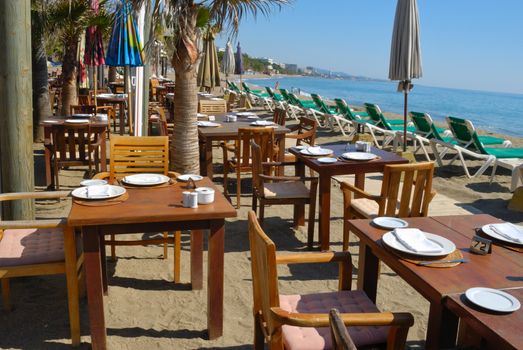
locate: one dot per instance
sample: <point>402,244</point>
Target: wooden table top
<point>148,205</point>
<point>115,98</point>
<point>228,129</point>
<point>505,331</point>
<point>349,166</point>
<point>60,120</point>
<point>492,271</point>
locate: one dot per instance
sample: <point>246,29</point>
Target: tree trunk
<point>185,150</point>
<point>112,74</point>
<point>16,122</point>
<point>69,72</point>
<point>41,104</point>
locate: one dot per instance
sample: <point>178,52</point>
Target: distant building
<point>291,67</point>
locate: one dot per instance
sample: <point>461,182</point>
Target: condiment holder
<point>205,195</point>
<point>190,199</point>
<point>231,118</point>
<point>363,146</point>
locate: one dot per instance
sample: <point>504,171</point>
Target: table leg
<point>93,276</point>
<point>281,153</point>
<point>103,260</point>
<point>197,259</point>
<point>442,328</point>
<point>325,209</point>
<point>49,178</point>
<point>208,168</point>
<point>299,209</point>
<point>215,279</point>
<point>122,118</point>
<point>368,270</point>
<point>359,182</point>
<point>103,150</point>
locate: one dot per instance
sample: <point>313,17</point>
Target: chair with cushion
<point>274,190</point>
<point>134,155</point>
<point>406,191</point>
<point>302,321</point>
<point>41,247</point>
<point>241,161</point>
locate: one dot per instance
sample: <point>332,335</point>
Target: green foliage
<point>202,19</point>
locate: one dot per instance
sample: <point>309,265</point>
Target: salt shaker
<point>186,199</point>
<point>193,200</point>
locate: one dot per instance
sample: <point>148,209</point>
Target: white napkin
<point>509,231</point>
<point>316,150</point>
<point>97,191</point>
<point>415,240</point>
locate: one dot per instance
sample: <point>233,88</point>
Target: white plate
<point>299,147</point>
<point>81,115</point>
<point>253,117</point>
<point>327,160</point>
<point>447,246</point>
<point>490,232</point>
<point>77,121</point>
<point>262,123</point>
<point>245,114</point>
<point>146,179</point>
<point>492,299</point>
<point>93,182</point>
<point>201,115</point>
<point>389,222</point>
<point>105,95</point>
<point>208,124</point>
<point>185,177</point>
<point>52,121</point>
<point>114,191</point>
<point>322,152</point>
<point>359,156</point>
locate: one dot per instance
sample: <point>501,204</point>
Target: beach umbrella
<point>208,71</point>
<point>239,63</point>
<point>94,48</point>
<point>125,49</point>
<point>228,63</point>
<point>405,53</point>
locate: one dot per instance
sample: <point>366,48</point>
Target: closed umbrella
<point>209,71</point>
<point>405,53</point>
<point>94,48</point>
<point>228,63</point>
<point>125,49</point>
<point>239,63</point>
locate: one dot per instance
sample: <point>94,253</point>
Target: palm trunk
<point>69,73</point>
<point>41,106</point>
<point>184,146</point>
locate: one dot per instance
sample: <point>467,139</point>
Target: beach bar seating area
<point>158,195</point>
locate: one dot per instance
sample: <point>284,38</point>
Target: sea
<point>491,111</point>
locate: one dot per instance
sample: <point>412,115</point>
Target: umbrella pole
<point>405,92</point>
<point>129,99</point>
<point>95,85</point>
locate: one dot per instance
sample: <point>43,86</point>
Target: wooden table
<point>115,99</point>
<point>491,330</point>
<point>327,171</point>
<point>155,209</point>
<point>98,127</point>
<point>435,284</point>
<point>226,132</point>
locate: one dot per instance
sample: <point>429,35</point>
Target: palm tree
<point>187,18</point>
<point>67,20</point>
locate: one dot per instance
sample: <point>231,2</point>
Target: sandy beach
<point>145,310</point>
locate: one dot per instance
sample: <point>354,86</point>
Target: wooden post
<point>16,106</point>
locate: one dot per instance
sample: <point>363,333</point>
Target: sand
<point>145,310</point>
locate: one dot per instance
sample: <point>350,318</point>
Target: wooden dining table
<point>495,270</point>
<point>155,209</point>
<point>98,127</point>
<point>228,131</point>
<point>341,167</point>
<point>115,99</point>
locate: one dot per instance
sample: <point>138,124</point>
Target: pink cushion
<point>308,338</point>
<point>31,246</point>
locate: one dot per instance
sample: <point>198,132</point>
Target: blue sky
<point>470,44</point>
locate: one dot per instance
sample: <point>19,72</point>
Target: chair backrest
<point>307,131</point>
<point>264,273</point>
<point>262,136</point>
<point>84,99</point>
<point>341,339</point>
<point>206,106</point>
<point>232,100</point>
<point>279,117</point>
<point>270,91</point>
<point>71,142</point>
<point>285,95</point>
<point>246,87</point>
<point>296,101</point>
<point>132,155</point>
<point>416,192</point>
<point>345,110</point>
<point>83,109</point>
<point>463,131</point>
<point>320,103</point>
<point>377,116</point>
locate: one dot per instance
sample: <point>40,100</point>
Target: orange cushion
<point>31,246</point>
<point>308,338</point>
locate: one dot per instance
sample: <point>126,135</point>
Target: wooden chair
<point>293,321</point>
<point>84,100</point>
<point>41,247</point>
<point>82,109</point>
<point>413,200</point>
<point>341,339</point>
<point>279,117</point>
<point>111,114</point>
<point>212,107</point>
<point>134,155</point>
<point>75,145</point>
<point>271,190</point>
<point>152,92</point>
<point>302,133</point>
<point>241,161</point>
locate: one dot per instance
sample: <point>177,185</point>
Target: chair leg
<point>177,255</point>
<point>71,276</point>
<point>312,216</point>
<point>261,215</point>
<point>113,249</point>
<point>254,202</point>
<point>225,179</point>
<point>165,246</point>
<point>259,339</point>
<point>238,187</point>
<point>6,292</point>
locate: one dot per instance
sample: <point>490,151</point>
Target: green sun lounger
<point>322,106</point>
<point>377,116</point>
<point>292,99</point>
<point>463,131</point>
<point>273,95</point>
<point>425,126</point>
<point>345,110</point>
<point>257,93</point>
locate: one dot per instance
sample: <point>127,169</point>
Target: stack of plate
<point>146,179</point>
<point>359,156</point>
